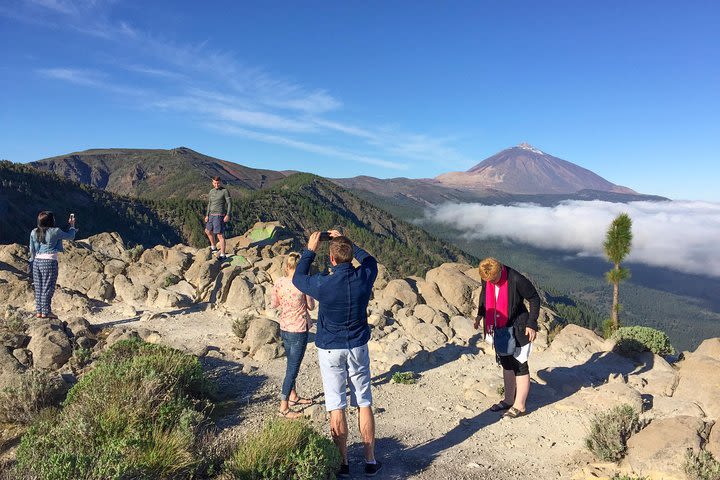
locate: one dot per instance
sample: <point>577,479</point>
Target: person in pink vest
<point>503,314</point>
<point>294,313</point>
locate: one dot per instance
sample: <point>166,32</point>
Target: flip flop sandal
<point>300,402</point>
<point>500,406</point>
<point>513,413</point>
<point>289,414</point>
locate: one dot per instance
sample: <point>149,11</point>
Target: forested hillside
<point>302,202</point>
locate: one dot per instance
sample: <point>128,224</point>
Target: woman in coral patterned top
<point>295,322</point>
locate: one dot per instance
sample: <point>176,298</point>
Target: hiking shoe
<point>344,471</point>
<point>213,249</point>
<point>371,469</point>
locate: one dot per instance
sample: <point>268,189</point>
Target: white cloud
<point>679,235</point>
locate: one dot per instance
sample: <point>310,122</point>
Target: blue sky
<point>629,90</point>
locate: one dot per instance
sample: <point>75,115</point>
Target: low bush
<point>608,329</point>
<point>30,393</point>
<point>701,465</point>
<point>632,340</point>
<point>240,326</point>
<point>13,323</point>
<point>284,449</point>
<point>610,431</point>
<point>135,252</point>
<point>406,378</point>
<point>617,476</point>
<point>135,415</point>
<point>171,280</point>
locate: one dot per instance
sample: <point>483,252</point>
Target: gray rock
<point>49,344</point>
<point>658,450</point>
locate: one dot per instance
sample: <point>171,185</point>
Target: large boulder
<point>262,339</point>
<point>203,271</point>
<point>700,378</point>
<point>577,342</point>
<point>49,344</point>
<point>432,296</point>
<point>658,450</point>
<point>457,289</point>
<point>463,327</point>
<point>428,335</point>
<point>16,290</point>
<point>655,376</point>
<point>10,367</point>
<point>397,291</point>
<point>244,294</point>
<point>110,244</point>
<point>14,257</point>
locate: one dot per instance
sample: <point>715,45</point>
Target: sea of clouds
<point>680,235</point>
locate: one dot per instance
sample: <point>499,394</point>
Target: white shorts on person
<point>341,368</point>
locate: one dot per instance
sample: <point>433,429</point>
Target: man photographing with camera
<point>342,336</point>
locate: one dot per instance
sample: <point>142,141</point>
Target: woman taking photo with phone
<point>45,244</point>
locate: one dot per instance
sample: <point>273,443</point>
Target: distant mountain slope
<point>518,174</point>
<point>177,173</point>
<point>526,170</point>
<point>302,202</point>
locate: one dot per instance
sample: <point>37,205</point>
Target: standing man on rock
<point>342,337</point>
<point>217,215</point>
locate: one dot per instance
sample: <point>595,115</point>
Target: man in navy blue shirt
<point>342,336</point>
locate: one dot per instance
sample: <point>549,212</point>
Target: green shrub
<point>608,328</point>
<point>500,390</point>
<point>135,252</point>
<point>171,280</point>
<point>284,449</point>
<point>701,465</point>
<point>610,432</point>
<point>617,476</point>
<point>13,323</point>
<point>240,326</point>
<point>135,415</point>
<point>632,340</point>
<point>406,378</point>
<point>30,393</point>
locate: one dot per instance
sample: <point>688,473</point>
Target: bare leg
<point>221,243</point>
<point>339,432</point>
<point>509,382</point>
<point>211,237</point>
<point>366,423</point>
<point>523,389</point>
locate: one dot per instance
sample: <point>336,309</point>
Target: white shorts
<point>340,368</point>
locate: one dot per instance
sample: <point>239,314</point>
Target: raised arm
<point>367,262</point>
<point>69,235</point>
<point>307,284</point>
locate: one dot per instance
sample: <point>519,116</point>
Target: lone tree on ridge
<point>617,246</point>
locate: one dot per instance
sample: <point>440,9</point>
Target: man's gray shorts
<point>340,368</point>
<point>215,224</point>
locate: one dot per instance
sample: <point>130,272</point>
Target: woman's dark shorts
<point>509,362</point>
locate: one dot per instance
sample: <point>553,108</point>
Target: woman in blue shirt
<point>45,244</point>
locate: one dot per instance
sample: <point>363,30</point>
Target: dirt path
<point>428,430</point>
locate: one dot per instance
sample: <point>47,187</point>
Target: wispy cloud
<point>93,79</point>
<point>213,87</point>
<point>308,147</point>
<point>678,235</point>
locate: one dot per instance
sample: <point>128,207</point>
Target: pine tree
<point>617,246</point>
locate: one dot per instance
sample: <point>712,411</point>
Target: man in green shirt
<point>217,214</point>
